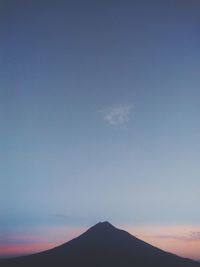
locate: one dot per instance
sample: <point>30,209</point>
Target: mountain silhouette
<point>102,245</point>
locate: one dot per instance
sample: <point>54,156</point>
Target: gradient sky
<point>99,118</point>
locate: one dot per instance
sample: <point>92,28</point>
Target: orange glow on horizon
<point>18,250</point>
<point>182,240</point>
<point>50,237</point>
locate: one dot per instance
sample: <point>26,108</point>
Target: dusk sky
<point>99,120</point>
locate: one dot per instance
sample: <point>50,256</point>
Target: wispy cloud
<point>192,236</point>
<point>117,115</point>
<point>183,240</point>
<point>176,237</point>
<point>195,236</point>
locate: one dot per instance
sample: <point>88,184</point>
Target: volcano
<point>102,245</point>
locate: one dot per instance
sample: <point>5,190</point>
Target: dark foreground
<point>102,245</point>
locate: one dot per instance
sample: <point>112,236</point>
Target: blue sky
<point>99,112</point>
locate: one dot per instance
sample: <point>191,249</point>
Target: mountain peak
<point>102,245</point>
<point>103,225</point>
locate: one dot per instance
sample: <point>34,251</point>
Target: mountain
<point>102,245</point>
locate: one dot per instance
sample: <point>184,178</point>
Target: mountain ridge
<point>102,245</point>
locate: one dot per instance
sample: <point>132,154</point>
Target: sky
<point>99,120</point>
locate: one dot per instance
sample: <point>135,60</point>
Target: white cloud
<point>117,115</point>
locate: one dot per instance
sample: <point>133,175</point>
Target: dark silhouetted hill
<point>102,245</point>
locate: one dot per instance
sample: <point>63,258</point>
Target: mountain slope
<point>102,245</point>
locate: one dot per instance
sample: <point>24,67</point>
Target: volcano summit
<point>102,245</point>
